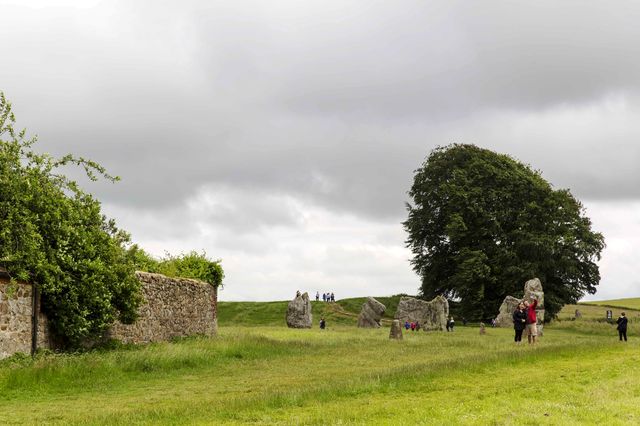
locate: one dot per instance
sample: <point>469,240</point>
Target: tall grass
<point>273,375</point>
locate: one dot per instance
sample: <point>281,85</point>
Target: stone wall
<point>172,307</point>
<point>15,319</point>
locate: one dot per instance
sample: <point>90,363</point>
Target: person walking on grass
<point>622,326</point>
<point>317,296</point>
<point>519,322</point>
<point>323,324</point>
<point>532,329</point>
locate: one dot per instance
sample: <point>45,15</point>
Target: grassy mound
<point>343,312</point>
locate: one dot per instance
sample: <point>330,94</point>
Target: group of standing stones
<point>532,291</point>
<point>431,315</point>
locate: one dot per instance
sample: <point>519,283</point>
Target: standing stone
<point>532,290</point>
<point>482,329</point>
<point>396,330</point>
<point>431,315</point>
<point>299,312</point>
<point>371,313</point>
<point>505,317</point>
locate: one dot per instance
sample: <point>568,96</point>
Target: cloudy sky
<point>281,136</point>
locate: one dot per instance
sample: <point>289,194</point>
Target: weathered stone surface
<point>299,312</point>
<point>508,307</point>
<point>371,314</point>
<point>172,307</point>
<point>396,330</point>
<point>15,319</point>
<point>431,315</point>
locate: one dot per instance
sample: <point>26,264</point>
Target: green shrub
<point>53,235</point>
<point>187,265</point>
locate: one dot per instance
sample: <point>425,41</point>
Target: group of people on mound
<point>326,297</point>
<point>524,318</point>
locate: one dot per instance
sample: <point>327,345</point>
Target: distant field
<point>595,312</point>
<point>631,303</point>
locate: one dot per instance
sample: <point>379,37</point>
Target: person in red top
<point>532,329</point>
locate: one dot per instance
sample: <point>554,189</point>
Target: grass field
<point>631,303</point>
<point>267,374</point>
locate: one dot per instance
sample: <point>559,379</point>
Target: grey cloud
<point>332,103</point>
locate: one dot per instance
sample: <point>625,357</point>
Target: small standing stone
<point>482,329</point>
<point>396,330</point>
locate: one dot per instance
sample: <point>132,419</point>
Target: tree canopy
<point>53,235</point>
<point>187,265</point>
<point>482,223</point>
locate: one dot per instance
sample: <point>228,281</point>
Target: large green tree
<point>54,235</point>
<point>482,223</point>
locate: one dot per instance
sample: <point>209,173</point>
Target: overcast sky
<point>281,136</point>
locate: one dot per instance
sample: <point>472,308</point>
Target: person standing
<point>323,324</point>
<point>333,297</point>
<point>532,320</point>
<point>324,297</point>
<point>407,325</point>
<point>317,296</point>
<point>622,326</point>
<point>519,322</point>
<point>450,323</point>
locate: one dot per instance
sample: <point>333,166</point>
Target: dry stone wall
<point>172,307</point>
<point>15,319</point>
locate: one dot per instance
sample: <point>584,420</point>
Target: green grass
<point>259,372</point>
<point>273,375</point>
<point>344,312</point>
<point>630,303</point>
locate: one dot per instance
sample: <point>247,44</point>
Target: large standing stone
<point>508,307</point>
<point>431,315</point>
<point>396,330</point>
<point>299,312</point>
<point>532,290</point>
<point>371,313</point>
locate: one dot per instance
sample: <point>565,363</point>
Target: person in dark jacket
<point>519,322</point>
<point>622,326</point>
